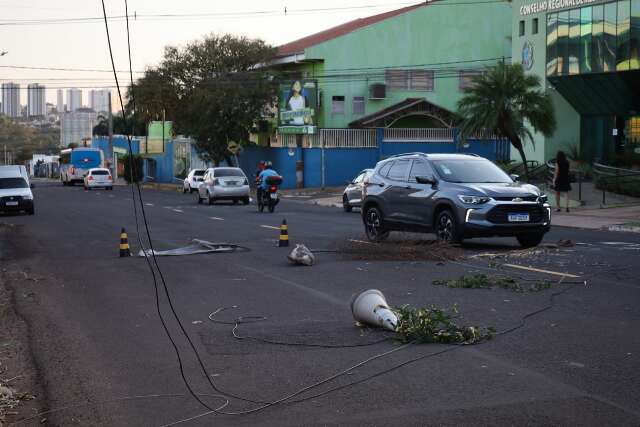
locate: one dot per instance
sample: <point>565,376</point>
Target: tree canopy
<point>503,101</point>
<point>25,141</point>
<point>212,89</point>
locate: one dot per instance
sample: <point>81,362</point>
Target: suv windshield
<point>198,173</point>
<point>99,172</point>
<point>7,183</point>
<point>222,172</point>
<point>470,171</point>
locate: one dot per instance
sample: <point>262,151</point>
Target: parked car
<point>224,183</point>
<point>193,180</point>
<point>15,190</point>
<point>352,195</point>
<point>98,178</point>
<point>455,196</point>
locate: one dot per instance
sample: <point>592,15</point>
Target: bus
<point>76,162</point>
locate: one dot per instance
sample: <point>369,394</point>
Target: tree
<point>502,101</point>
<point>137,163</point>
<point>211,89</point>
<point>24,141</point>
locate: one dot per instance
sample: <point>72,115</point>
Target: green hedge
<point>138,174</point>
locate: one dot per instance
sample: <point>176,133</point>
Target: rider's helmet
<point>268,165</point>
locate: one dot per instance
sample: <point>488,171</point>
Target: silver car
<point>193,180</point>
<point>224,183</point>
<point>352,195</point>
<point>98,178</point>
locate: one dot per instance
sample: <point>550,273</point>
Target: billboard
<point>297,105</point>
<point>156,137</point>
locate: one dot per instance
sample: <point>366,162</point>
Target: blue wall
<point>342,164</point>
<point>119,141</point>
<point>164,165</point>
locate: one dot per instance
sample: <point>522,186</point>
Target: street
<point>101,356</point>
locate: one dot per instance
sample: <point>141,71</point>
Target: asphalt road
<point>103,358</point>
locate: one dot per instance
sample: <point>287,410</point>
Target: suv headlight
<point>542,198</point>
<point>28,197</point>
<point>474,200</point>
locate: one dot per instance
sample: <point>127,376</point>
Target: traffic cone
<point>371,307</point>
<point>284,235</point>
<point>124,244</point>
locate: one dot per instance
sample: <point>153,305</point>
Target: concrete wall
<point>343,164</point>
<point>568,130</point>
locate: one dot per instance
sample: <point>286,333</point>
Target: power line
<point>238,14</point>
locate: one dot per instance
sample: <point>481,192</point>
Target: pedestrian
<point>561,179</point>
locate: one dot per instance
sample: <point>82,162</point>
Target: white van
<point>15,190</point>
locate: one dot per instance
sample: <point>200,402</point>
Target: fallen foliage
<point>483,281</point>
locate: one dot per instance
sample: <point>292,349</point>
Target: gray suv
<point>455,196</point>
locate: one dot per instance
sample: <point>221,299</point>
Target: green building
<point>402,69</point>
<point>587,52</point>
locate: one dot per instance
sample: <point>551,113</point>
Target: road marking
<point>360,241</point>
<point>177,210</point>
<point>149,204</point>
<point>216,218</point>
<point>270,227</point>
<point>538,270</point>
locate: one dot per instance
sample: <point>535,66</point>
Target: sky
<point>84,44</point>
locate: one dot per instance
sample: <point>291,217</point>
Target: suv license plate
<point>12,203</point>
<point>518,217</point>
<point>273,195</point>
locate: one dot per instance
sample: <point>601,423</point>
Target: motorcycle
<point>269,198</point>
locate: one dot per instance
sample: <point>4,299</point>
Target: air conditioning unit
<point>377,91</point>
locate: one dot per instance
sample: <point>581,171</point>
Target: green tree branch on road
<point>211,90</point>
<point>502,101</point>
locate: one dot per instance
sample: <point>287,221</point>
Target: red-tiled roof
<point>298,46</point>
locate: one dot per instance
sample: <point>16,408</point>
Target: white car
<point>193,180</point>
<point>224,184</point>
<point>98,178</point>
<point>15,190</point>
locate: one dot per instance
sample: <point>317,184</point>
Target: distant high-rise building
<point>36,102</point>
<point>60,103</point>
<point>99,100</point>
<point>11,99</point>
<point>74,99</point>
<point>76,126</point>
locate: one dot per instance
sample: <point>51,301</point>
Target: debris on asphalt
<point>483,281</point>
<point>436,325</point>
<point>301,255</point>
<point>197,246</point>
<point>400,250</point>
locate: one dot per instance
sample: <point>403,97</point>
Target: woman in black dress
<point>561,179</point>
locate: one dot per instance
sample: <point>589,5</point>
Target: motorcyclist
<point>262,178</point>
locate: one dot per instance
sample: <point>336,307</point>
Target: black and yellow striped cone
<point>124,244</point>
<point>284,235</point>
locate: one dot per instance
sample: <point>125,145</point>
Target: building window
<point>534,26</point>
<point>337,104</point>
<point>397,79</point>
<point>521,28</point>
<point>633,133</point>
<point>552,44</point>
<point>421,80</point>
<point>418,80</point>
<point>358,105</point>
<point>594,39</point>
<point>465,79</point>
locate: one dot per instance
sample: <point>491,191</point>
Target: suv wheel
<point>373,225</point>
<point>345,204</point>
<point>447,227</point>
<point>530,240</point>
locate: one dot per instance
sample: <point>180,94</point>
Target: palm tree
<point>502,101</point>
